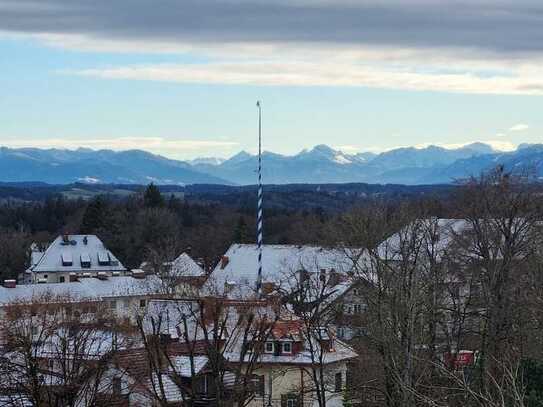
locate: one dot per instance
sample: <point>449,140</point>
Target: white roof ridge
<point>49,248</point>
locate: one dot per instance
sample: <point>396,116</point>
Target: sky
<point>181,77</point>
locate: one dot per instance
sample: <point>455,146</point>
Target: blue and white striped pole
<point>259,209</point>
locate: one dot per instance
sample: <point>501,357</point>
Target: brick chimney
<point>224,262</point>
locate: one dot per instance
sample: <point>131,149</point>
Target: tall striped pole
<point>259,208</point>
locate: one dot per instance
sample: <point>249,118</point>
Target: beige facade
<point>293,386</point>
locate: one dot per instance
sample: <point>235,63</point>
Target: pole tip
<point>258,103</point>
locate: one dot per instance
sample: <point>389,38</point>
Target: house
<point>69,257</point>
<point>283,267</point>
<point>123,296</point>
<point>287,361</point>
<point>183,273</point>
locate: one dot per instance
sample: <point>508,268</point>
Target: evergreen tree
<point>95,214</point>
<point>152,197</point>
<point>241,232</point>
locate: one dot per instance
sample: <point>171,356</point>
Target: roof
<point>279,262</point>
<point>439,233</point>
<point>293,330</point>
<point>73,248</point>
<point>84,289</point>
<point>182,365</point>
<point>185,266</point>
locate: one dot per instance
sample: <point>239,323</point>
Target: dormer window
<point>287,347</point>
<point>66,258</point>
<point>269,347</point>
<point>103,258</point>
<point>85,261</point>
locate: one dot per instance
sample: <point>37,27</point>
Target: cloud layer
<point>476,46</point>
<point>499,25</point>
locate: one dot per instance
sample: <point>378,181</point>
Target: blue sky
<point>71,78</point>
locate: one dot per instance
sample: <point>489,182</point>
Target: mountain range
<point>321,164</point>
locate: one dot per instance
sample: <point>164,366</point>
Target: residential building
<point>69,257</point>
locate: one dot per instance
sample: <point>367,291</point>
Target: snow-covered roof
<point>67,253</point>
<point>185,266</point>
<point>433,233</point>
<point>86,289</point>
<point>240,265</point>
<point>182,365</point>
<point>293,329</point>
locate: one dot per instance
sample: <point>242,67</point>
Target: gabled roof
<point>279,263</point>
<point>185,266</point>
<point>75,247</point>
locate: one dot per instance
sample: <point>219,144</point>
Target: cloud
<point>476,46</point>
<point>304,73</point>
<point>519,127</point>
<point>503,26</point>
<point>157,145</point>
<point>500,145</point>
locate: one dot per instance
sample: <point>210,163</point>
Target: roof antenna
<point>259,206</point>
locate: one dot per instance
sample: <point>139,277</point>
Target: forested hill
<point>291,196</point>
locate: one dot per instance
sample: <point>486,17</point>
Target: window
<point>341,332</point>
<point>357,291</point>
<point>66,259</point>
<point>116,385</point>
<point>103,258</point>
<point>85,260</point>
<point>338,382</point>
<point>113,305</point>
<point>142,303</point>
<point>289,400</point>
<point>358,308</point>
<point>287,347</point>
<point>269,347</point>
<point>61,279</point>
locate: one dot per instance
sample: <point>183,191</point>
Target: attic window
<point>269,348</point>
<point>66,259</point>
<point>103,258</point>
<point>85,260</point>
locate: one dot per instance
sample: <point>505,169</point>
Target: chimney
<point>224,262</point>
<point>10,283</point>
<point>268,288</point>
<point>85,240</point>
<point>65,239</point>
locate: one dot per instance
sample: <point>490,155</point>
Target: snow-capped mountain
<point>321,164</point>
